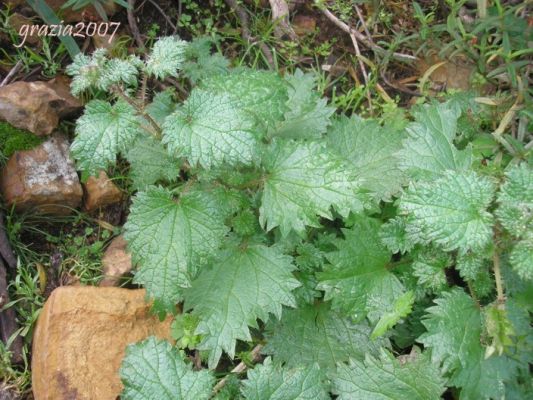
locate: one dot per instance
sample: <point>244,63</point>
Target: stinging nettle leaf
<point>454,337</point>
<point>305,182</point>
<point>370,150</point>
<point>451,211</point>
<point>241,286</point>
<point>170,238</point>
<point>316,334</point>
<point>402,308</point>
<point>268,381</point>
<point>103,131</point>
<point>200,63</point>
<point>387,378</point>
<point>166,57</point>
<point>153,369</point>
<point>357,280</point>
<point>150,162</point>
<point>394,235</point>
<point>210,129</point>
<point>521,258</point>
<point>429,150</point>
<point>428,267</point>
<point>263,94</point>
<point>515,211</point>
<point>308,115</point>
<point>161,106</point>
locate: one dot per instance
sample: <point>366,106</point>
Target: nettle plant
<point>365,260</point>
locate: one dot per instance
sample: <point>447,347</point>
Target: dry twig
<point>133,25</point>
<point>360,37</point>
<point>241,367</point>
<point>280,16</point>
<point>11,73</point>
<point>169,21</point>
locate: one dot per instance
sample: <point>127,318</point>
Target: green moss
<point>13,139</point>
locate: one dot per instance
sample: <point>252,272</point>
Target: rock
<point>116,262</point>
<point>100,191</point>
<point>36,106</point>
<point>80,339</point>
<point>304,24</point>
<point>453,74</point>
<point>66,105</point>
<point>16,21</point>
<point>43,179</point>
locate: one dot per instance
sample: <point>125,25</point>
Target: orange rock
<point>452,74</point>
<point>36,106</point>
<point>116,262</point>
<point>43,179</point>
<point>101,191</point>
<point>80,339</point>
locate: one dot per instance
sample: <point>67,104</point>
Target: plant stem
<point>140,110</point>
<point>498,276</point>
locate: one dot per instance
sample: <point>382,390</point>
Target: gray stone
<point>42,179</point>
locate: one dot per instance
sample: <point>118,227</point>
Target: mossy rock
<point>13,139</point>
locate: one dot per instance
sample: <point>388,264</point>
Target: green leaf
<point>499,329</point>
<point>303,183</point>
<point>371,150</point>
<point>451,211</point>
<point>402,308</point>
<point>161,106</point>
<point>308,116</point>
<point>315,334</point>
<point>395,237</point>
<point>453,329</point>
<point>118,72</point>
<point>521,259</point>
<point>243,285</point>
<point>210,129</point>
<point>470,265</point>
<point>99,72</point>
<point>150,162</point>
<point>454,337</point>
<point>86,71</point>
<point>358,281</point>
<point>270,382</point>
<point>170,238</point>
<point>201,63</point>
<point>428,267</point>
<point>429,150</point>
<point>483,378</point>
<point>166,57</point>
<point>263,94</point>
<point>153,369</point>
<point>515,211</point>
<point>103,131</point>
<point>387,378</point>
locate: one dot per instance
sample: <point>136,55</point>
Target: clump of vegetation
<point>13,139</point>
<point>286,229</point>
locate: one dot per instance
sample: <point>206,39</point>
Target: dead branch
<point>361,38</point>
<point>280,16</point>
<point>8,322</point>
<point>133,25</point>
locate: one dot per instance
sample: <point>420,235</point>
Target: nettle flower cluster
<point>334,242</point>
